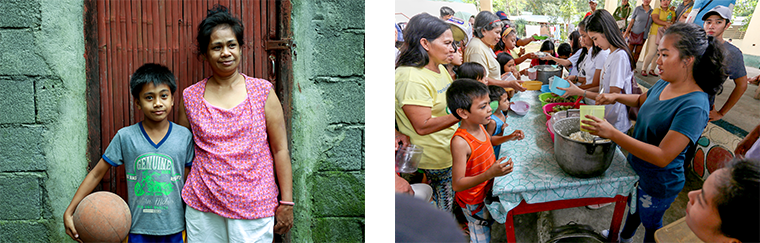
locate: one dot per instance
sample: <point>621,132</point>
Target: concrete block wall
<point>43,128</point>
<point>328,121</point>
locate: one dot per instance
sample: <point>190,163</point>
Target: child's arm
<point>491,127</point>
<point>187,172</point>
<point>278,143</point>
<point>460,152</point>
<point>88,184</point>
<point>516,135</point>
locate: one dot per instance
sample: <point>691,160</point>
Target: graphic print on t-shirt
<point>153,180</point>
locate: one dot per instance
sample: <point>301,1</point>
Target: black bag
<point>633,112</point>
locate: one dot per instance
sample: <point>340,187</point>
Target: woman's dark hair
<point>421,26</point>
<point>218,17</point>
<point>548,45</point>
<point>495,92</point>
<point>594,49</point>
<point>575,36</point>
<point>487,21</point>
<point>503,59</point>
<point>692,41</point>
<point>564,49</point>
<point>602,22</point>
<point>501,46</point>
<point>471,70</point>
<point>461,93</point>
<point>738,198</point>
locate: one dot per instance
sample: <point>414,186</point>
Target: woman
<point>590,62</point>
<point>662,17</point>
<point>421,84</point>
<point>617,70</point>
<point>571,63</point>
<point>672,116</point>
<point>508,43</point>
<point>726,209</point>
<point>574,39</point>
<point>241,148</point>
<point>638,29</point>
<point>486,34</point>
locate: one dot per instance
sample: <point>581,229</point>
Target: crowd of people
<point>454,82</point>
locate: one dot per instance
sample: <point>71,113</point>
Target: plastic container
<point>561,83</point>
<point>532,73</point>
<point>593,110</point>
<point>549,108</point>
<point>520,107</point>
<point>532,85</point>
<point>408,158</point>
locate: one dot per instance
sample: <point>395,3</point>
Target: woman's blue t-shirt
<point>686,114</point>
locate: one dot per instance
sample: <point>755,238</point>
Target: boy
<point>474,164</point>
<point>717,21</point>
<point>155,152</point>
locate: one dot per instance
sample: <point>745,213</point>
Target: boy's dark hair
<point>564,49</point>
<point>548,45</point>
<point>503,58</point>
<point>461,93</point>
<point>218,16</point>
<point>495,92</point>
<point>151,73</point>
<point>471,70</point>
<point>737,200</point>
<point>445,10</point>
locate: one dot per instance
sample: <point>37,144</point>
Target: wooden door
<point>121,35</point>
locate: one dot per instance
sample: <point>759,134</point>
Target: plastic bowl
<point>520,107</point>
<point>422,191</point>
<point>545,88</point>
<point>532,85</point>
<point>548,108</point>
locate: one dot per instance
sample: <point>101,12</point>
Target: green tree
<point>745,8</point>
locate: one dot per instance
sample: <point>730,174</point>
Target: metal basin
<point>580,159</point>
<point>544,72</point>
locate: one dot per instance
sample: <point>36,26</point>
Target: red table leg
<point>617,217</point>
<point>510,224</point>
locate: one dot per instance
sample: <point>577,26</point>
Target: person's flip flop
<point>652,73</point>
<point>643,73</point>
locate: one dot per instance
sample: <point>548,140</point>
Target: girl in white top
<point>590,62</point>
<point>617,68</point>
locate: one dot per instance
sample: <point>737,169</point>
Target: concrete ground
<point>535,227</point>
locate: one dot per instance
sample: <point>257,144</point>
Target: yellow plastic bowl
<point>532,85</point>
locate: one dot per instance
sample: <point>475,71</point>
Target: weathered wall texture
<point>43,133</point>
<point>328,121</point>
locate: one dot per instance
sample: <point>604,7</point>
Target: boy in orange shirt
<point>474,163</point>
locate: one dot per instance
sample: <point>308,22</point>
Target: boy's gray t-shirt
<point>154,176</point>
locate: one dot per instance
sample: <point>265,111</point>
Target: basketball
<point>102,217</point>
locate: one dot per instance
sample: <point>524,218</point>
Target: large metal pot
<point>580,159</point>
<point>544,72</point>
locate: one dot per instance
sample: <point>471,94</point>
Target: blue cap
<point>502,15</point>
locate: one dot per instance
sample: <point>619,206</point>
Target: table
<point>537,183</point>
<point>677,231</point>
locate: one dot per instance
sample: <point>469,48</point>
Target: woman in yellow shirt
<point>421,84</point>
<point>662,17</point>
